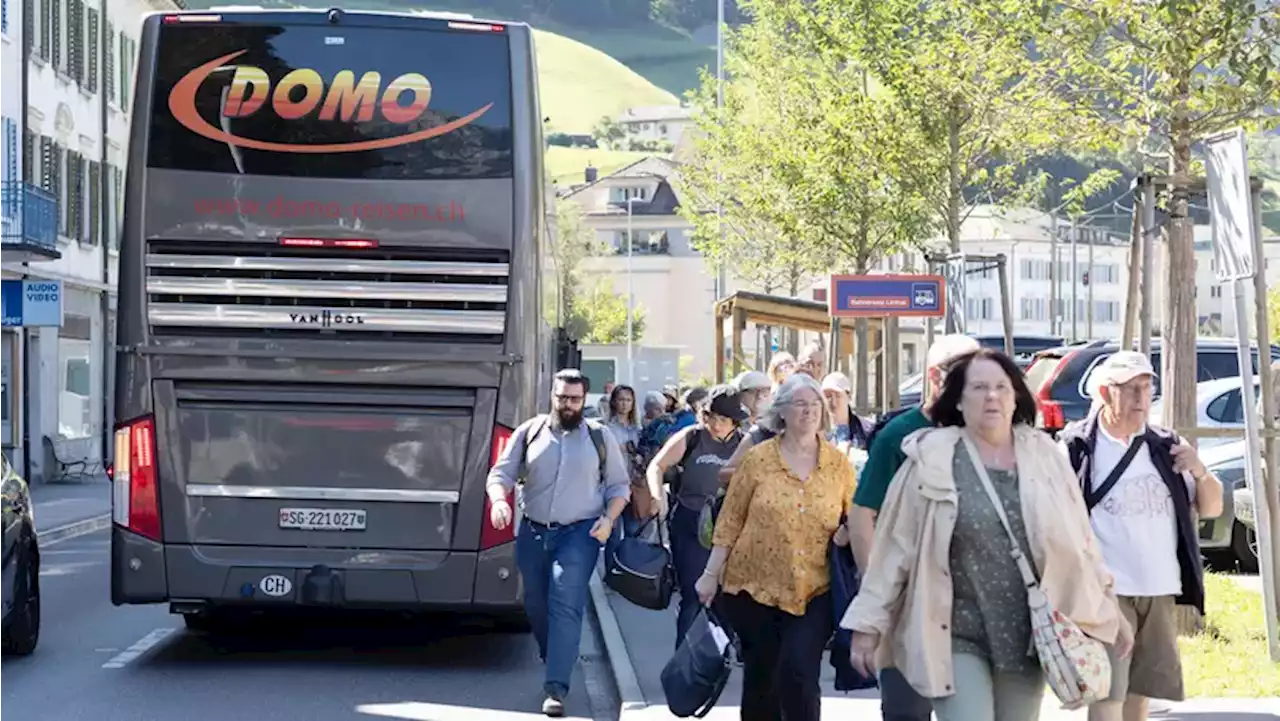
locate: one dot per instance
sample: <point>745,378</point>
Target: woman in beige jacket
<point>942,599</point>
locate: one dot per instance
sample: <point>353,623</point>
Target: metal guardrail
<point>30,215</point>
<point>1234,434</point>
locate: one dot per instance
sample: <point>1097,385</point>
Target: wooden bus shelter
<point>744,307</point>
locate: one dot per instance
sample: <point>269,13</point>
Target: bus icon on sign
<point>924,295</point>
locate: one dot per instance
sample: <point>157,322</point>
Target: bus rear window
<point>345,102</point>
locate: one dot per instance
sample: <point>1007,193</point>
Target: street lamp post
<point>631,360</point>
<point>720,274</point>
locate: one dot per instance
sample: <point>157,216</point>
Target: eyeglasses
<point>807,406</point>
<point>569,399</point>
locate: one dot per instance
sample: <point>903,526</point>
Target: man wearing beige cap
<point>1145,489</point>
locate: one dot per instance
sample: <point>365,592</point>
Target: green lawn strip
<point>566,165</point>
<point>1230,658</point>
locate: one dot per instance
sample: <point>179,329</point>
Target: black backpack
<point>594,429</point>
<point>883,421</point>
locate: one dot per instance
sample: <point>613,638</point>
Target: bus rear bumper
<point>265,577</point>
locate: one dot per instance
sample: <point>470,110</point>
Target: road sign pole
<point>1253,466</point>
<point>1235,244</point>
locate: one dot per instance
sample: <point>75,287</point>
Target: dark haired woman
<point>943,600</point>
<point>622,416</point>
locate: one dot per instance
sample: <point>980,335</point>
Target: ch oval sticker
<point>275,585</point>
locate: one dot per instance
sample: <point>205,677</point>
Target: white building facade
<point>11,120</point>
<point>81,62</point>
<point>668,279</point>
<point>658,123</point>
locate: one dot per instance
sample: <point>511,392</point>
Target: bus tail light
<point>358,243</point>
<point>135,501</point>
<point>490,536</point>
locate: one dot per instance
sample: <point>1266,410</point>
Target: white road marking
<point>420,711</point>
<point>146,643</point>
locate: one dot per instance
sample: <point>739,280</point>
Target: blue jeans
<point>556,564</point>
<point>689,557</point>
<point>899,701</point>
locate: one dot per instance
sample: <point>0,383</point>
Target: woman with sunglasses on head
<point>690,461</point>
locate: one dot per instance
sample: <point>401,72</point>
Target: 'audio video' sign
<point>32,303</point>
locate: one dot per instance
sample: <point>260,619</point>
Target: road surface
<point>97,662</point>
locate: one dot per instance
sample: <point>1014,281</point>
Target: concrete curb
<point>630,697</point>
<point>74,529</point>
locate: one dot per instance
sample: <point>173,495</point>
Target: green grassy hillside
<point>580,84</point>
<point>585,74</point>
<point>666,57</point>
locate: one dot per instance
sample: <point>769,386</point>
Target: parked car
<point>1025,348</point>
<point>1243,499</point>
<point>21,623</point>
<point>1059,376</point>
<point>1219,404</point>
<point>1228,539</point>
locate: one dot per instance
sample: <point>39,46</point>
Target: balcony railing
<point>30,216</point>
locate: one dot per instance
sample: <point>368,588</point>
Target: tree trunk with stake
<point>1178,340</point>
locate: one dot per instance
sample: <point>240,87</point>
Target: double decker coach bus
<point>332,311</point>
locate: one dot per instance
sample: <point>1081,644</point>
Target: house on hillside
<point>659,123</point>
<point>668,276</point>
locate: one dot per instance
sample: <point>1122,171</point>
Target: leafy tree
<point>573,243</point>
<point>600,316</point>
<point>1162,75</point>
<point>801,157</point>
<point>968,89</point>
<point>608,133</point>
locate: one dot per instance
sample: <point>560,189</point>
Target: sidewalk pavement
<point>639,642</point>
<point>63,510</point>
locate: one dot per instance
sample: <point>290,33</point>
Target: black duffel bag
<point>640,569</point>
<point>696,675</point>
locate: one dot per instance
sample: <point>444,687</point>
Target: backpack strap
<point>597,431</point>
<point>1077,448</point>
<point>534,431</point>
<point>690,445</point>
<point>1094,497</point>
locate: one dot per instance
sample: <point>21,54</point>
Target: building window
<point>980,308</point>
<point>1034,309</point>
<point>1035,269</point>
<point>647,242</point>
<point>8,392</point>
<point>109,63</point>
<point>75,378</point>
<point>10,150</point>
<point>622,195</point>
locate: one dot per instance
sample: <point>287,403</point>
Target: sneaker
<point>552,706</point>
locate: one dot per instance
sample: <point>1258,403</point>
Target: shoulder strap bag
<point>1076,666</point>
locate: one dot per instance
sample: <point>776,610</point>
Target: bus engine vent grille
<point>364,294</point>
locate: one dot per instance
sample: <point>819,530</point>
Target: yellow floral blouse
<point>777,527</point>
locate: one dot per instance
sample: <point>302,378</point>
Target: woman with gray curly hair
<point>769,555</point>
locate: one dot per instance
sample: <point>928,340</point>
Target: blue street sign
<point>855,296</point>
<point>32,303</point>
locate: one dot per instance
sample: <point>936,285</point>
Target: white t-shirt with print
<point>1135,522</point>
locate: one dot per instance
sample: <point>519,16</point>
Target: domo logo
<point>275,585</point>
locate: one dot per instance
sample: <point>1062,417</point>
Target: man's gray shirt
<point>562,481</point>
